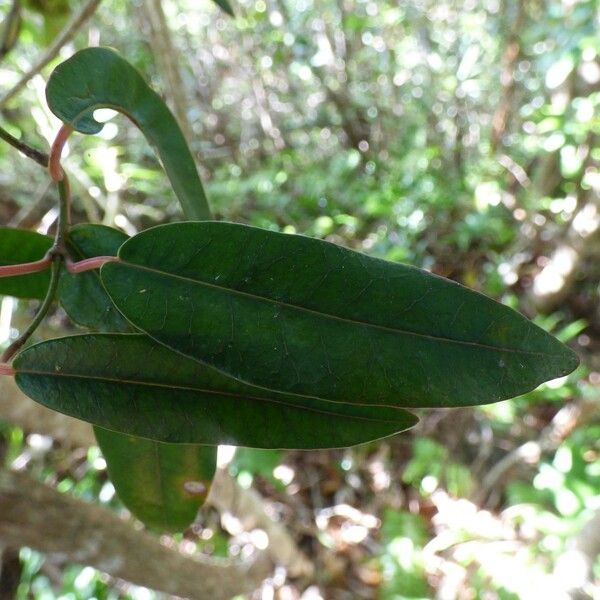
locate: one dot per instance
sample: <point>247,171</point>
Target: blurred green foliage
<point>404,536</point>
<point>459,137</point>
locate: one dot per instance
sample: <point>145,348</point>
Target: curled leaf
<point>100,78</point>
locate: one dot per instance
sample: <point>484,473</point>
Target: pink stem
<point>26,268</point>
<point>6,369</point>
<point>89,263</point>
<point>54,168</point>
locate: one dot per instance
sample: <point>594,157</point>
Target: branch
<point>579,242</point>
<point>33,511</point>
<point>11,27</point>
<point>248,506</point>
<point>41,313</point>
<point>226,495</point>
<point>39,157</point>
<point>567,419</point>
<point>35,515</point>
<point>16,408</point>
<point>512,55</point>
<point>166,55</point>
<point>64,37</point>
<point>58,250</point>
<point>10,573</point>
<point>573,570</point>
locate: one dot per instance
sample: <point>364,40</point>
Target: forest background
<point>460,137</point>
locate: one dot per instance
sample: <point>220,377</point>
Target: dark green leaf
<point>226,6</point>
<point>130,384</point>
<point>83,296</point>
<point>100,78</point>
<point>163,485</point>
<point>21,246</point>
<point>304,316</point>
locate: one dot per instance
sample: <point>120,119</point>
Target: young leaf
<point>21,246</point>
<point>131,384</point>
<point>163,485</point>
<point>100,78</point>
<point>304,316</point>
<point>82,295</point>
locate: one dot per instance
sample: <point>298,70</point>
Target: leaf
<point>163,485</point>
<point>226,6</point>
<point>130,384</point>
<point>21,246</point>
<point>303,316</point>
<point>100,78</point>
<point>82,295</point>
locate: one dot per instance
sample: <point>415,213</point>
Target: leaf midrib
<point>218,393</point>
<point>338,318</point>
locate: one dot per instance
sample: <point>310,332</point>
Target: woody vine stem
<point>57,252</point>
<point>56,256</point>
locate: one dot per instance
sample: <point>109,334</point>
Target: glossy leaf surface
<point>163,485</point>
<point>130,384</point>
<point>82,295</point>
<point>20,246</point>
<point>100,78</point>
<point>304,316</point>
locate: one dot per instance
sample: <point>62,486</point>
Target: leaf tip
<point>570,359</point>
<point>226,7</point>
